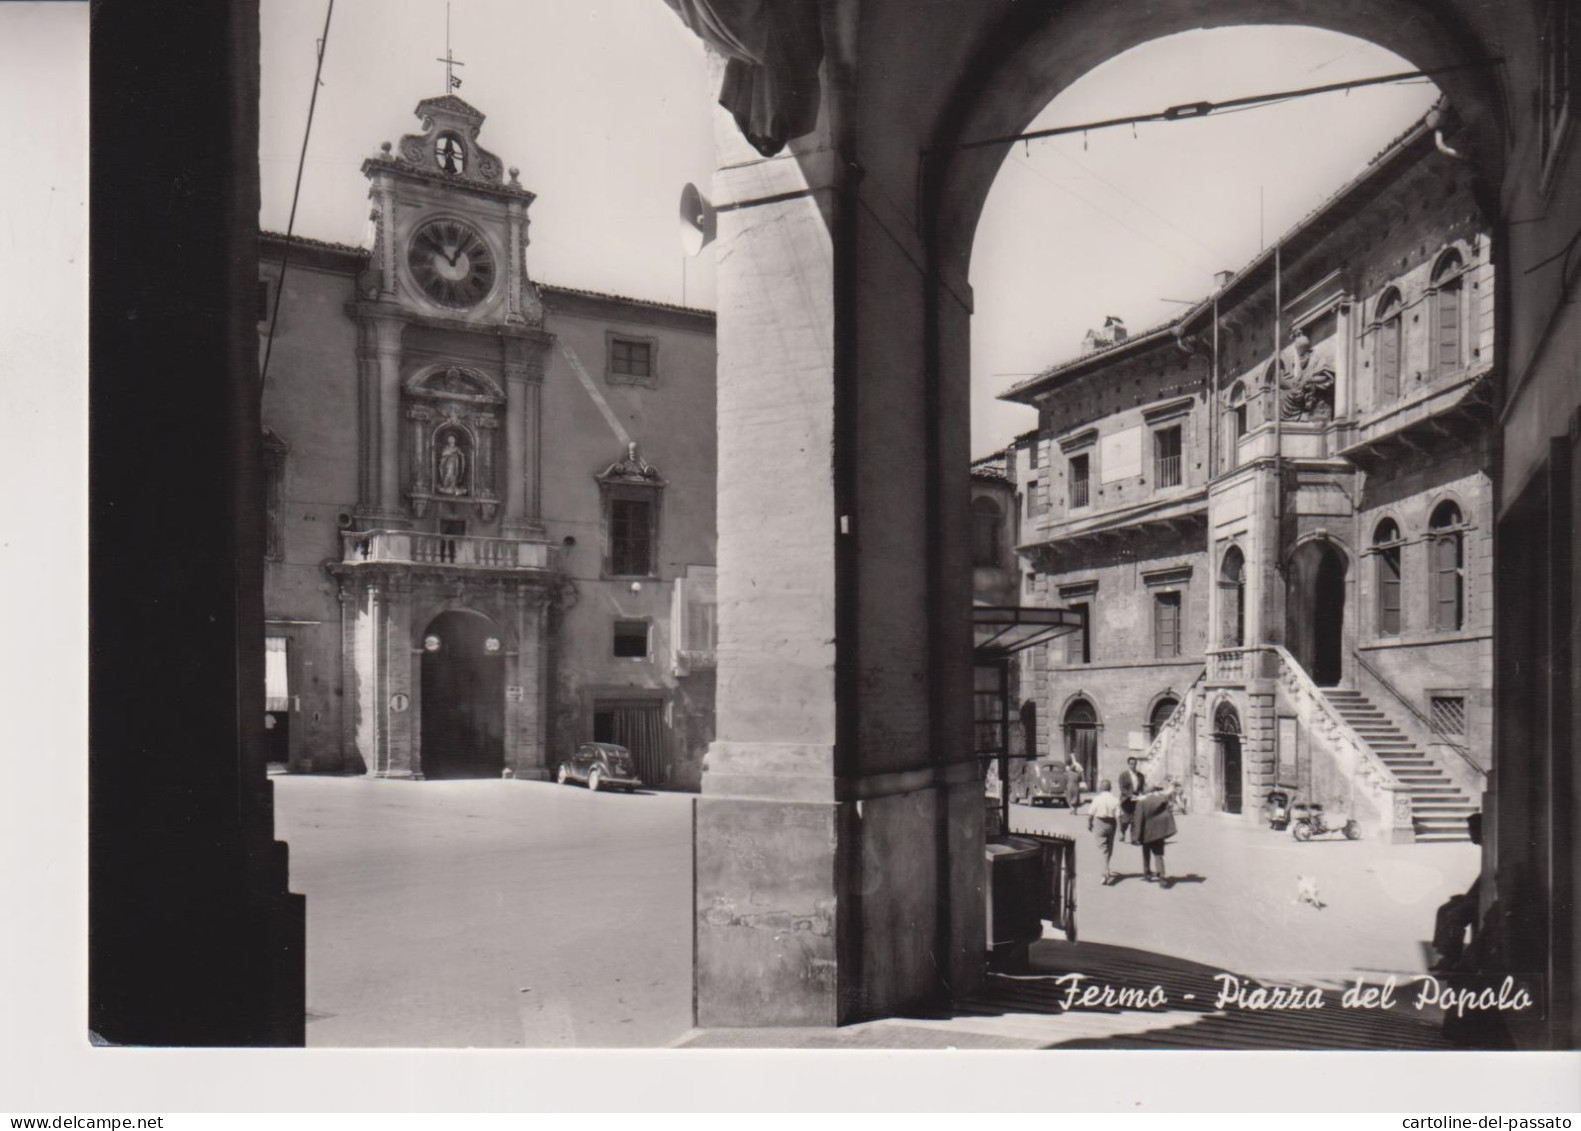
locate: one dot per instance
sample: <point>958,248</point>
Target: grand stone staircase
<point>1438,808</point>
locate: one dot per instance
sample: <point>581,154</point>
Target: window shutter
<point>1449,328</point>
<point>1447,595</point>
<point>1389,359</point>
<point>1389,592</point>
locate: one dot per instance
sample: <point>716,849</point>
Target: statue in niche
<point>450,468</point>
<point>1306,390</point>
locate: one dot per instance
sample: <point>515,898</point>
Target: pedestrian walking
<point>1073,783</point>
<point>1103,818</point>
<point>1132,784</point>
<point>1153,823</point>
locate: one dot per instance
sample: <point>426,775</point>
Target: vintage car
<point>601,765</point>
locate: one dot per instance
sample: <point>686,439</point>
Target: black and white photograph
<point>913,525</point>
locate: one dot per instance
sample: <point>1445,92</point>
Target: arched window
<point>1448,565</point>
<point>987,521</point>
<point>1081,737</point>
<point>1159,715</point>
<point>1232,599</point>
<point>1388,346</point>
<point>1448,338</point>
<point>1386,557</point>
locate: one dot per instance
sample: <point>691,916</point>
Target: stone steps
<point>1438,809</point>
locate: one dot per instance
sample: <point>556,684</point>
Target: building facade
<point>1283,559</point>
<point>490,502</point>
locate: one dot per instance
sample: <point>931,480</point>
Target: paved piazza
<point>516,914</point>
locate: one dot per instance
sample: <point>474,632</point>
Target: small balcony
<point>411,547</point>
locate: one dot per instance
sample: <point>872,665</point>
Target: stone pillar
<point>402,756</point>
<point>524,367</point>
<point>525,718</point>
<point>838,849</point>
<point>388,348</point>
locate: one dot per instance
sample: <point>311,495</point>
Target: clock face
<point>451,263</point>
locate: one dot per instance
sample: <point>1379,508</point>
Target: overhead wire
<point>296,194</point>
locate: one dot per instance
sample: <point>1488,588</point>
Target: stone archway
<point>462,684</point>
<point>1315,614</point>
<point>844,320</point>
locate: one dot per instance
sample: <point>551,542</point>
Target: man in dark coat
<point>1153,822</point>
<point>1132,783</point>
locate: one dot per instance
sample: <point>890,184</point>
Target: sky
<point>605,107</point>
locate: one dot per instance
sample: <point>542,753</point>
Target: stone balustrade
<point>464,550</point>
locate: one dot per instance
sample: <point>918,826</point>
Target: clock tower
<point>446,576</point>
<point>451,339</point>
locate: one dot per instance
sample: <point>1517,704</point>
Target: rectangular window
<point>1448,715</point>
<point>630,537</point>
<point>1080,481</point>
<point>1078,644</point>
<point>1032,454</point>
<point>630,358</point>
<point>263,300</point>
<point>631,639</point>
<point>1166,457</point>
<point>1166,625</point>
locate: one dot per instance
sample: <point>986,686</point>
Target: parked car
<point>601,765</point>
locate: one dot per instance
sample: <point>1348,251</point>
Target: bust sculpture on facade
<point>633,466</point>
<point>1306,389</point>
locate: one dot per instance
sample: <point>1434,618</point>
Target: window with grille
<point>1166,625</point>
<point>1080,481</point>
<point>630,358</point>
<point>1166,457</point>
<point>1447,713</point>
<point>631,537</point>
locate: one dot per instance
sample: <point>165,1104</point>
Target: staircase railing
<point>1430,734</point>
<point>1184,711</point>
<point>1357,759</point>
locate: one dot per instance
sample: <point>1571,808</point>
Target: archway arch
<point>1038,52</point>
<point>1315,591</point>
<point>1229,791</point>
<point>1082,728</point>
<point>461,686</point>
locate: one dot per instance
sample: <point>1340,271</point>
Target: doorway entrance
<point>463,698</point>
<point>1081,739</point>
<point>1315,611</point>
<point>1227,741</point>
<point>638,725</point>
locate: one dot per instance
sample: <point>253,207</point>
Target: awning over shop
<point>277,685</point>
<point>1001,630</point>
